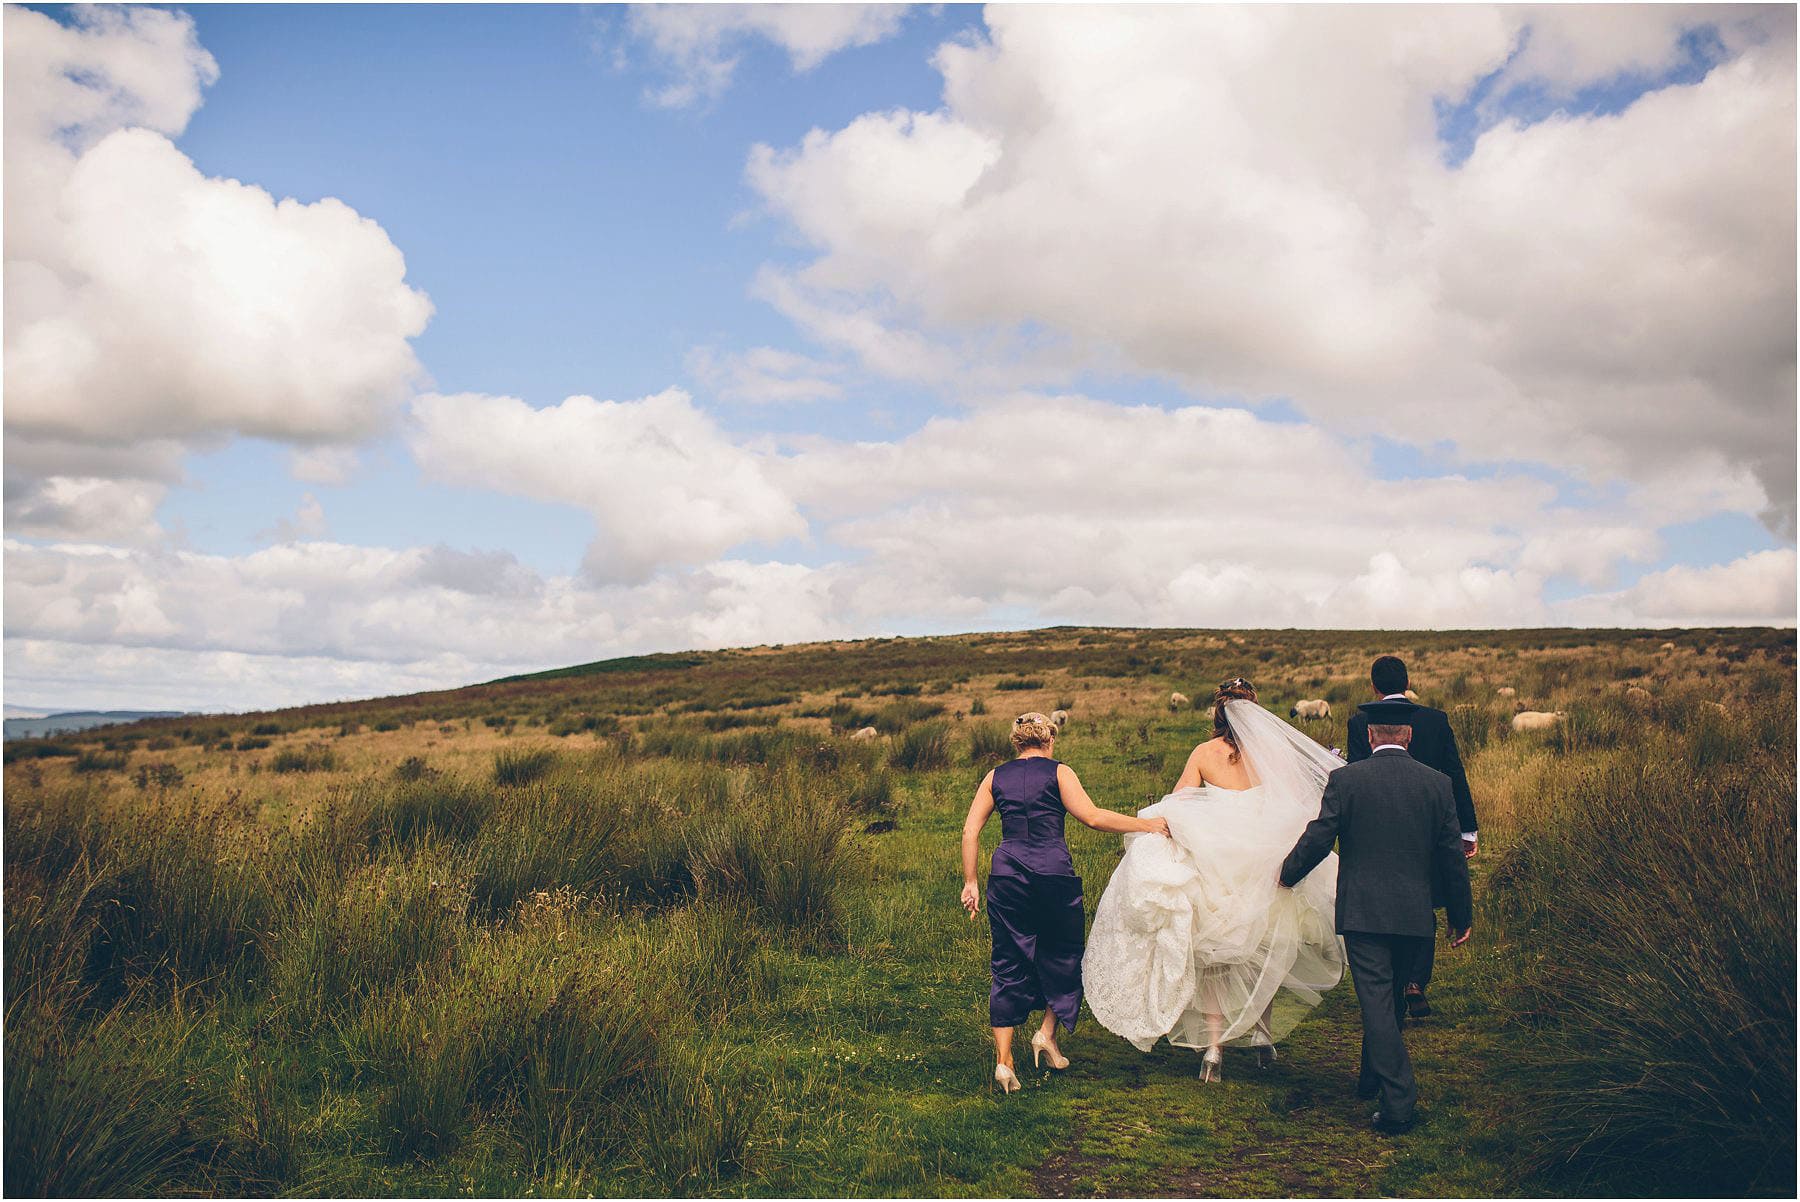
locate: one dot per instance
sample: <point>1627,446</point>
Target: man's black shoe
<point>1390,1128</point>
<point>1416,1005</point>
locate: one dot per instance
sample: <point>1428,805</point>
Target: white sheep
<point>1535,720</point>
<point>1177,700</point>
<point>1506,690</point>
<point>1639,697</point>
<point>1412,696</point>
<point>1059,718</point>
<point>865,734</point>
<point>1310,710</point>
<point>1717,707</point>
<point>1668,647</point>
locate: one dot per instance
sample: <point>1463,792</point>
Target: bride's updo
<point>1235,689</point>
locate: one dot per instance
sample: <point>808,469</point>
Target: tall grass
<point>923,748</point>
<point>1658,898</point>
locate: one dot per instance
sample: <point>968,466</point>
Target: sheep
<point>1059,718</point>
<point>1533,720</point>
<point>1412,696</point>
<point>1177,700</point>
<point>1310,710</point>
<point>1717,707</point>
<point>1506,690</point>
<point>865,734</point>
<point>1668,647</point>
<point>1637,696</point>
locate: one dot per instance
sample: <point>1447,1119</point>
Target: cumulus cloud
<point>320,621</point>
<point>663,483</point>
<point>1032,510</point>
<point>698,45</point>
<point>1255,202</point>
<point>149,306</point>
<point>765,375</point>
<point>1755,589</point>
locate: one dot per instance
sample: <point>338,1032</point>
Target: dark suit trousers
<point>1378,967</point>
<point>1420,971</point>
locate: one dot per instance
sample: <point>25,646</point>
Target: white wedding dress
<point>1197,925</point>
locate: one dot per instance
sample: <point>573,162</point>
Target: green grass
<point>669,960</point>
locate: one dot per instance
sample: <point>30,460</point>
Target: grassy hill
<point>659,925</point>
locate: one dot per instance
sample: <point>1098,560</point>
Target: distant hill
<point>55,724</point>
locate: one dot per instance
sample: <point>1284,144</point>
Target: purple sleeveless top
<point>1031,819</point>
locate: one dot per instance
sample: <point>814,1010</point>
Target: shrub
<point>923,748</point>
<point>160,775</point>
<point>1659,906</point>
<point>554,834</point>
<point>386,725</point>
<point>1018,684</point>
<point>420,806</point>
<point>247,743</point>
<point>412,768</point>
<point>36,749</point>
<point>102,761</point>
<point>977,707</point>
<point>512,768</point>
<point>872,792</point>
<point>104,1109</point>
<point>358,934</point>
<point>1473,726</point>
<point>314,757</point>
<point>989,744</point>
<point>782,860</point>
<point>898,715</point>
<point>266,728</point>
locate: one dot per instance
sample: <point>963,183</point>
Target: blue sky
<point>576,235</point>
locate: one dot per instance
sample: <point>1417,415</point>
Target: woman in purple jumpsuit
<point>1034,896</point>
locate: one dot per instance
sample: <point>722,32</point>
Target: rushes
<point>512,768</point>
<point>923,748</point>
<point>1662,901</point>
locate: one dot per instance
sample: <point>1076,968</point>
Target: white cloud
<point>765,375</point>
<point>150,308</point>
<point>698,45</point>
<point>324,465</point>
<point>664,485</point>
<point>307,525</point>
<point>1254,201</point>
<point>1755,589</point>
<point>1033,510</point>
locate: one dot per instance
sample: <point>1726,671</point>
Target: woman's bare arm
<point>1082,807</point>
<point>979,811</point>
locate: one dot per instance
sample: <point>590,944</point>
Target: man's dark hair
<point>1388,675</point>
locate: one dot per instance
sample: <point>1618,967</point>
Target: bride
<point>1193,939</point>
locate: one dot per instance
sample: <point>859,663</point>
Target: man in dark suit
<point>1394,823</point>
<point>1434,745</point>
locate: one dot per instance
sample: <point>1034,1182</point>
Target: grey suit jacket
<point>1395,825</point>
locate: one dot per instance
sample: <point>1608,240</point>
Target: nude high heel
<point>1212,1065</point>
<point>1004,1078</point>
<point>1041,1046</point>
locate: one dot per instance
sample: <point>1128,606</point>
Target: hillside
<point>660,925</point>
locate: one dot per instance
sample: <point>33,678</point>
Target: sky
<point>355,350</point>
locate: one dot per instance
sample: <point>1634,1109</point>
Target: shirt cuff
<point>1470,836</point>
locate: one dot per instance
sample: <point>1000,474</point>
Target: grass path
<point>878,1065</point>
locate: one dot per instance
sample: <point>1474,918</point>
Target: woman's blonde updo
<point>1235,689</point>
<point>1032,731</point>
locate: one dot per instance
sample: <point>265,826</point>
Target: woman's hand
<point>1156,826</point>
<point>971,899</point>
